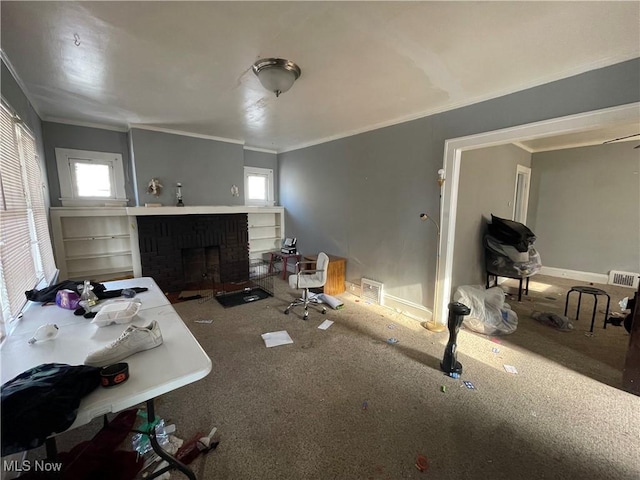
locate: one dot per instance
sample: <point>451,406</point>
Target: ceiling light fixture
<point>276,74</point>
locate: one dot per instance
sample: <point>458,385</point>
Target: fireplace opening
<point>201,268</point>
<point>195,252</point>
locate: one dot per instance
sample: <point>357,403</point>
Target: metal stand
<point>173,463</point>
<point>457,312</point>
<point>589,291</point>
<point>51,449</point>
<point>520,279</point>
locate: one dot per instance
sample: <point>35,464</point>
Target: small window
<point>90,178</point>
<point>258,186</point>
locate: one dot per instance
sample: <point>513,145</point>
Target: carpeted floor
<point>601,356</point>
<point>343,403</point>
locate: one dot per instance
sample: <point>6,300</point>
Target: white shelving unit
<point>266,231</point>
<point>93,243</point>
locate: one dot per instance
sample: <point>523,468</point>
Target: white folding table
<point>180,359</point>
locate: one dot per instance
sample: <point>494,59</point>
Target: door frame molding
<point>521,169</point>
<point>453,149</point>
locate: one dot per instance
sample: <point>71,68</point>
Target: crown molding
<point>263,150</point>
<point>524,147</point>
<point>185,134</point>
<point>80,123</point>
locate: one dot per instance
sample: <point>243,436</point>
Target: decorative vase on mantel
<point>179,195</point>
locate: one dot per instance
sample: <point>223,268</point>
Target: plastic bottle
<point>87,297</point>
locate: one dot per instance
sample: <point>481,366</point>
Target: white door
<point>521,195</point>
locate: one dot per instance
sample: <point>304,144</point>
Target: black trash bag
<point>42,401</point>
<point>48,294</point>
<point>511,233</point>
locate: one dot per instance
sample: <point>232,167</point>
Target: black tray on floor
<point>242,298</point>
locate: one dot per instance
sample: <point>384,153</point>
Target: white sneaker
<point>133,340</point>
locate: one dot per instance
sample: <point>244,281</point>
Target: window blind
<point>35,195</point>
<point>26,256</point>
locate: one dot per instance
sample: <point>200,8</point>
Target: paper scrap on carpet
<point>274,339</point>
<point>326,324</point>
<point>510,369</point>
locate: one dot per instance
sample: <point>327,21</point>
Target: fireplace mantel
<point>200,210</point>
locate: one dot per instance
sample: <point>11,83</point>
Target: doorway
<point>521,194</point>
<point>452,157</point>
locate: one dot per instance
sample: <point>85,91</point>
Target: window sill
<point>94,202</point>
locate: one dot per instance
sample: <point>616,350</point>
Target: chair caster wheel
<point>286,312</point>
<point>324,310</point>
<point>306,316</point>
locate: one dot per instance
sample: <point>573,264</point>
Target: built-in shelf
<point>99,237</point>
<point>93,273</point>
<point>261,252</point>
<point>270,237</point>
<point>98,255</point>
<point>265,232</point>
<point>93,242</point>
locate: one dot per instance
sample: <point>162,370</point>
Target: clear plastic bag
<point>490,315</point>
<point>141,443</point>
<point>506,260</point>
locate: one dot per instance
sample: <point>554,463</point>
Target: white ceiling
<point>186,66</point>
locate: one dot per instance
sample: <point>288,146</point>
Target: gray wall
<point>586,208</point>
<point>206,168</point>
<point>15,97</point>
<point>360,197</point>
<point>171,157</point>
<point>59,135</point>
<point>487,185</point>
<point>253,158</point>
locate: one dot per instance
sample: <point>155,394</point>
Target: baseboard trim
<point>408,308</point>
<point>574,275</point>
<point>400,305</point>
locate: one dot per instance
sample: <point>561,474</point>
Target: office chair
<point>306,279</point>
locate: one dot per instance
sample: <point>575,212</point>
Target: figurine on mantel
<point>179,194</point>
<point>155,187</point>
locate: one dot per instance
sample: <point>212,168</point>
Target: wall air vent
<point>623,279</point>
<point>372,291</point>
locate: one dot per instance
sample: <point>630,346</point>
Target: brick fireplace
<point>189,252</point>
